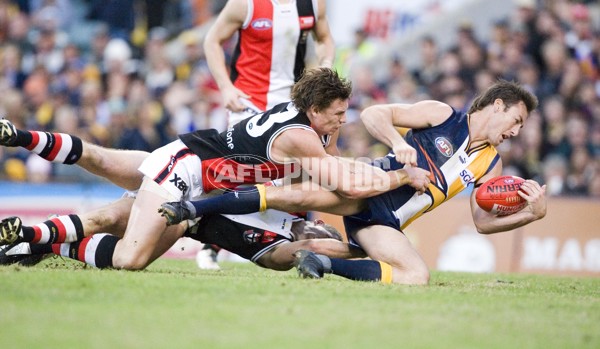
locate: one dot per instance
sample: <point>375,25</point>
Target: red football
<point>499,195</point>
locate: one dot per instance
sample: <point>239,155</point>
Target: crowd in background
<point>136,80</point>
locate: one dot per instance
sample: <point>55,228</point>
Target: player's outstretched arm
<point>488,223</point>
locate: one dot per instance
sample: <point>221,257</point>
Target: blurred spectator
<point>10,66</point>
<point>117,14</point>
<point>428,70</point>
<point>555,170</point>
<point>579,172</point>
<point>146,128</point>
<point>360,53</point>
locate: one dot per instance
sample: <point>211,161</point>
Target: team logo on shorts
<point>444,146</point>
<point>251,237</point>
<point>179,183</point>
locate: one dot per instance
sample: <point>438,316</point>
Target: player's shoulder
<point>237,10</point>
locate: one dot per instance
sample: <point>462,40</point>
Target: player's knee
<point>415,275</point>
<point>129,261</point>
<point>129,257</point>
<point>421,277</point>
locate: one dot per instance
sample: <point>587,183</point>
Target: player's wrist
<point>401,177</point>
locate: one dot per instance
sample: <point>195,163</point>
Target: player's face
<point>507,123</point>
<point>329,120</point>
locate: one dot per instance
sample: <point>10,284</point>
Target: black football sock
<point>241,201</point>
<point>362,270</point>
<point>40,248</point>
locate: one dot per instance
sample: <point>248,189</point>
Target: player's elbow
<point>486,229</point>
<point>368,113</point>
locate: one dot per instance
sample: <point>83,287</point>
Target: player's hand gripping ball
<point>499,195</point>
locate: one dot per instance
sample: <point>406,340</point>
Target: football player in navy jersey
<point>299,134</point>
<point>458,149</point>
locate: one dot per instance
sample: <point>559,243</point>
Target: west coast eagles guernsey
<point>444,150</point>
<point>269,56</point>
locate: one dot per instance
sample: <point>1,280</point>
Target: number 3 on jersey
<point>255,129</point>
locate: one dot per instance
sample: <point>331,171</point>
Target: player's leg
<point>394,259</point>
<point>118,166</point>
<point>55,147</point>
<point>144,229</point>
<point>171,173</point>
<point>304,196</point>
<point>67,235</point>
<point>390,246</point>
<point>297,197</point>
<point>110,218</point>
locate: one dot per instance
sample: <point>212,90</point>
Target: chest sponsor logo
<point>444,146</point>
<point>262,24</point>
<point>306,22</point>
<point>467,177</point>
<point>229,138</point>
<point>230,171</point>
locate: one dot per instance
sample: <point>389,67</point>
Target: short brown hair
<point>319,88</point>
<point>510,93</point>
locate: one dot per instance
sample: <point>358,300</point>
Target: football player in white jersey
<point>458,150</point>
<point>186,169</point>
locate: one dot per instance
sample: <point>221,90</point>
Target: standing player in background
<point>270,54</point>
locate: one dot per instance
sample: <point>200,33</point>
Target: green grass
<point>175,305</point>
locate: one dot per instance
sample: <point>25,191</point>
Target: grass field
<point>175,305</point>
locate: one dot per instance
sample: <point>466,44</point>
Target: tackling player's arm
<point>531,191</point>
<point>324,44</point>
<point>304,147</point>
<point>228,22</point>
<point>382,121</point>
